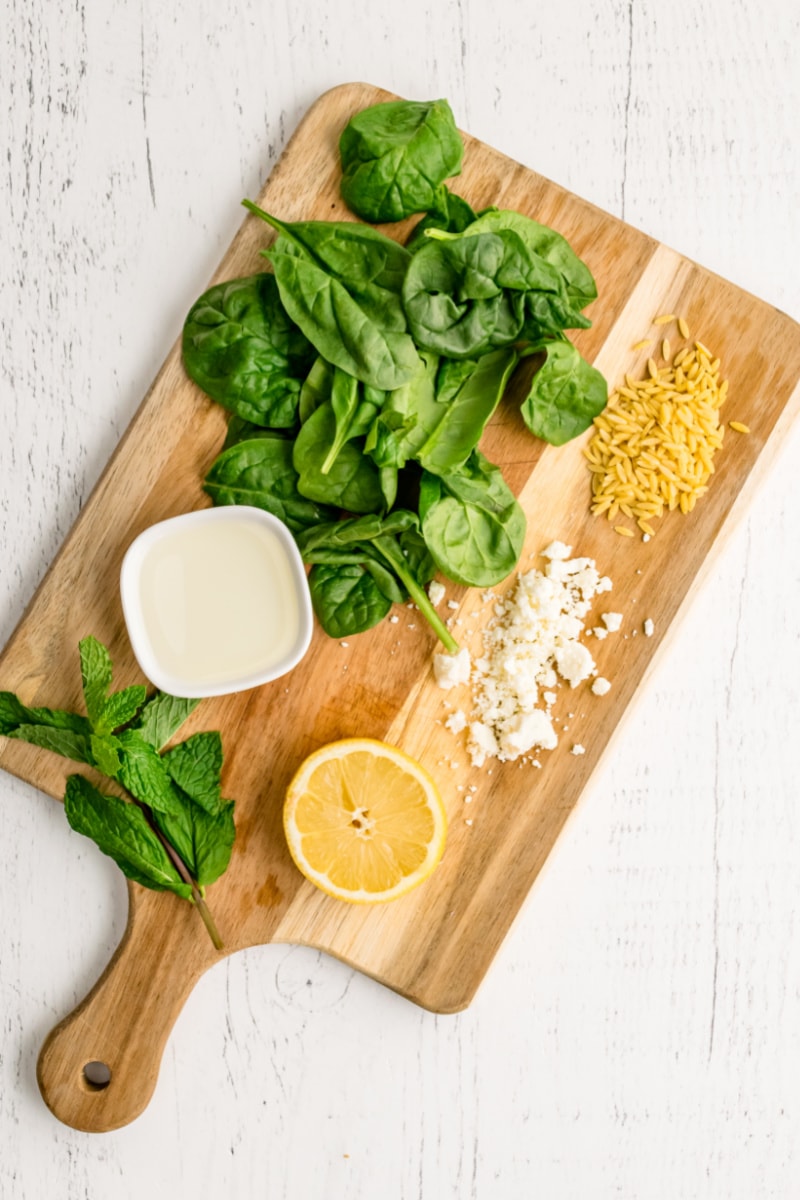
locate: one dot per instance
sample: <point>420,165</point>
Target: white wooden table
<point>638,1034</point>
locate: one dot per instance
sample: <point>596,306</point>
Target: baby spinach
<point>407,415</point>
<point>175,833</point>
<point>466,294</point>
<point>340,283</point>
<point>346,598</point>
<point>352,481</point>
<point>260,472</point>
<point>316,388</point>
<point>395,156</point>
<point>449,212</point>
<point>549,245</point>
<point>354,408</point>
<point>471,522</point>
<point>565,394</point>
<point>242,349</point>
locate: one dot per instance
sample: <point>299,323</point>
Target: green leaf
<point>106,754</point>
<point>121,831</point>
<point>96,672</point>
<point>144,774</point>
<point>316,388</point>
<point>195,765</point>
<point>352,483</point>
<point>202,840</point>
<point>120,708</point>
<point>450,212</point>
<point>65,742</point>
<point>14,713</point>
<point>395,155</point>
<point>162,717</point>
<point>346,598</point>
<point>472,525</point>
<point>260,472</point>
<point>565,395</point>
<point>243,350</point>
<point>406,418</point>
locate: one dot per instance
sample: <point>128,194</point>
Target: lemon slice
<point>363,821</point>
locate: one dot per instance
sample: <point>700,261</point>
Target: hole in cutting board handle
<point>97,1075</point>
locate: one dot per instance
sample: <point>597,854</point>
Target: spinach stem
<point>421,599</point>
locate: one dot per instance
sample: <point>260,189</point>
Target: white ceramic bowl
<point>168,592</point>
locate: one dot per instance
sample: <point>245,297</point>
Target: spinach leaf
<point>565,394</point>
<point>121,831</point>
<point>395,156</point>
<point>243,350</point>
<point>467,294</point>
<point>195,766</point>
<point>549,245</point>
<point>449,212</point>
<point>260,472</point>
<point>341,283</point>
<point>352,482</point>
<point>346,598</point>
<point>407,415</point>
<point>467,393</point>
<point>354,407</point>
<point>471,523</point>
<point>162,717</point>
<point>316,388</point>
<point>203,840</point>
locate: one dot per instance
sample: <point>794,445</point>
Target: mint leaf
<point>162,717</point>
<point>106,754</point>
<point>14,713</point>
<point>96,672</point>
<point>195,765</point>
<point>143,773</point>
<point>61,741</point>
<point>121,831</point>
<point>203,840</point>
<point>120,708</point>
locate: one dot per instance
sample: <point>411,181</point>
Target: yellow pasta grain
<point>739,427</point>
<point>664,319</point>
<point>641,345</point>
<point>683,328</point>
<point>653,446</point>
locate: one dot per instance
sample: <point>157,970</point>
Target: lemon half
<point>364,821</point>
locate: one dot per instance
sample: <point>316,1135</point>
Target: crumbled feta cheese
<point>436,592</point>
<point>549,697</point>
<point>451,670</point>
<point>452,604</point>
<point>557,550</point>
<point>601,686</point>
<point>605,585</point>
<point>649,628</point>
<point>456,721</point>
<point>393,620</point>
<point>612,621</point>
<point>574,663</point>
<point>526,730</point>
<point>577,749</point>
<point>482,743</point>
<point>599,632</point>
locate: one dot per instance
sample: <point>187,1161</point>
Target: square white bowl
<point>144,649</point>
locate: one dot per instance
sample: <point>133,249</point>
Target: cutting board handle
<point>98,1068</point>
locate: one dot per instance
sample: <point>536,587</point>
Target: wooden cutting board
<point>434,945</point>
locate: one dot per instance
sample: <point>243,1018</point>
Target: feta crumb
<point>468,821</point>
<point>600,632</point>
<point>526,730</point>
<point>577,749</point>
<point>482,744</point>
<point>344,644</point>
<point>456,722</point>
<point>452,604</point>
<point>557,550</point>
<point>645,537</point>
<point>601,686</point>
<point>393,620</point>
<point>574,663</point>
<point>450,670</point>
<point>649,628</point>
<point>612,621</point>
<point>549,697</point>
<point>604,585</point>
<point>436,592</point>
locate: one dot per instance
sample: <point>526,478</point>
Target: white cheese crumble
<point>531,646</point>
<point>649,628</point>
<point>578,749</point>
<point>436,592</point>
<point>612,621</point>
<point>450,670</point>
<point>601,686</point>
<point>456,721</point>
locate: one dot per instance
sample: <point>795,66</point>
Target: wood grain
<point>466,909</point>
